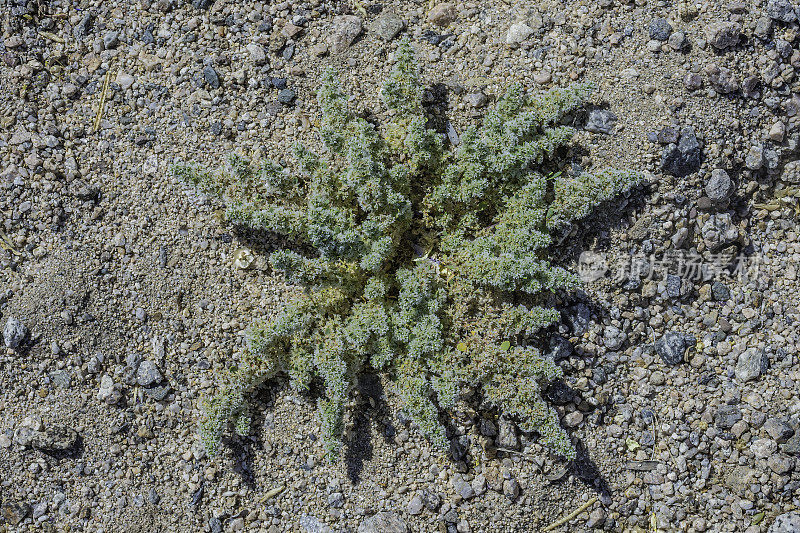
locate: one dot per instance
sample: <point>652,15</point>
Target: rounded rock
<point>601,121</point>
<point>287,96</point>
<point>723,35</point>
<point>383,522</point>
<point>660,29</point>
<point>148,374</point>
<point>781,10</point>
<point>671,348</point>
<point>442,14</point>
<point>751,364</point>
<point>344,30</point>
<point>14,333</point>
<point>719,186</point>
<point>683,158</point>
<point>518,32</point>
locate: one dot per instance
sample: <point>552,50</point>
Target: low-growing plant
<point>420,260</point>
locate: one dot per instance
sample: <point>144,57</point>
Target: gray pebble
<point>111,39</point>
<point>723,35</point>
<point>286,96</point>
<point>463,488</point>
<point>387,26</point>
<point>693,81</point>
<point>61,379</point>
<point>84,27</point>
<point>678,41</point>
<point>751,364</point>
<point>479,484</point>
<point>312,524</point>
<point>780,464</point>
<point>487,428</point>
<point>23,436</point>
<point>779,430</point>
<point>726,416</point>
<point>771,159</point>
<point>511,489</point>
<point>39,510</point>
<point>792,445</point>
<point>430,500</point>
<point>719,231</point>
<point>257,53</point>
<point>601,121</point>
<point>720,291</point>
<point>14,333</point>
<point>109,392</point>
<point>660,29</point>
<point>614,338</point>
<point>719,186</point>
<point>671,347</point>
<point>507,435</point>
<point>211,77</point>
<point>336,500</point>
<point>157,392</point>
<point>722,79</point>
<point>781,10</point>
<point>215,525</point>
<point>579,319</point>
<point>683,158</point>
<point>383,522</point>
<point>518,32</point>
<point>148,374</point>
<point>763,28</point>
<point>343,31</point>
<point>415,506</point>
<point>668,135</point>
<point>450,517</point>
<point>596,518</point>
<point>55,439</point>
<point>476,100</point>
<point>443,14</point>
<point>673,286</point>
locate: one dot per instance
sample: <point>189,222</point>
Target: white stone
<point>518,32</point>
<point>777,132</point>
<point>125,80</point>
<point>150,165</point>
<point>763,448</point>
<point>257,53</point>
<point>109,391</point>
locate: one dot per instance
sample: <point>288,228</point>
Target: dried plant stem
<point>570,516</point>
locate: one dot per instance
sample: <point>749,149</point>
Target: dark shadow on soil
<point>585,469</point>
<point>594,231</point>
<point>74,452</point>
<point>359,449</point>
<point>260,241</point>
<point>245,448</point>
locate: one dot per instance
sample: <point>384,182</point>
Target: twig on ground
<point>52,36</point>
<point>272,493</point>
<point>570,516</point>
<point>102,101</point>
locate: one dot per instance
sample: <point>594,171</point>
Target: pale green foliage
<point>428,264</point>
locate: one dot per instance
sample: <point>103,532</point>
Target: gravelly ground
<point>682,390</point>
